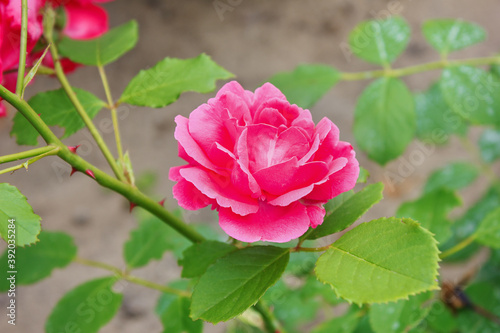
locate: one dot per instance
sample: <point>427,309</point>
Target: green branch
<point>271,324</point>
<point>25,154</point>
<point>458,247</point>
<point>52,151</point>
<point>22,50</point>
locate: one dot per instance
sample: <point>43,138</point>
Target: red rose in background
<point>262,163</point>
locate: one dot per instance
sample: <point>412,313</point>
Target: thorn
<point>132,206</point>
<point>90,173</point>
<point>73,148</point>
<point>39,115</point>
<point>161,202</point>
<point>73,170</point>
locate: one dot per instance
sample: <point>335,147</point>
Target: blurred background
<point>254,40</point>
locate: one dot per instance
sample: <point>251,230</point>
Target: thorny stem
<point>271,324</point>
<point>25,154</point>
<point>22,50</point>
<point>25,165</point>
<point>458,247</point>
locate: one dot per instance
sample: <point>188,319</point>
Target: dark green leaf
<point>306,84</point>
<point>102,50</point>
<point>301,263</point>
<point>362,268</point>
<point>380,41</point>
<point>431,210</point>
<point>495,69</point>
<point>447,35</point>
<point>490,271</point>
<point>198,257</point>
<point>351,210</point>
<point>453,176</point>
<point>440,319</point>
<point>484,295</point>
<point>488,232</point>
<point>386,106</point>
<point>162,85</point>
<point>36,262</point>
<point>472,93</point>
<point>435,120</point>
<point>87,308</point>
<point>338,201</point>
<point>18,224</point>
<point>489,143</point>
<point>237,281</point>
<point>56,109</point>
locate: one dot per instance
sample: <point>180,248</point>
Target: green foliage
<point>447,35</point>
<point>362,268</point>
<point>36,262</point>
<point>237,281</point>
<point>400,316</point>
<point>349,211</point>
<point>472,93</point>
<point>453,176</point>
<point>440,319</point>
<point>488,232</point>
<point>344,324</point>
<point>56,109</point>
<point>384,119</point>
<point>198,257</point>
<point>173,311</point>
<point>306,84</point>
<point>14,206</point>
<point>489,144</point>
<point>363,175</point>
<point>162,84</point>
<point>103,50</point>
<point>431,210</point>
<point>485,296</point>
<point>88,307</point>
<point>380,41</point>
<point>436,121</point>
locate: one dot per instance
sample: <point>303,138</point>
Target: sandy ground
<point>254,40</point>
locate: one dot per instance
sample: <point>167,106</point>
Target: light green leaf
<point>363,175</point>
<point>306,84</point>
<point>36,262</point>
<point>386,106</point>
<point>435,120</point>
<point>173,311</point>
<point>453,176</point>
<point>489,143</point>
<point>56,109</point>
<point>400,316</point>
<point>17,216</point>
<point>32,72</point>
<point>447,35</point>
<point>88,307</point>
<point>431,210</point>
<point>198,257</point>
<point>351,210</point>
<point>237,281</point>
<point>488,232</point>
<point>362,266</point>
<point>126,168</point>
<point>484,295</point>
<point>150,240</point>
<point>343,324</point>
<point>102,50</point>
<point>380,41</point>
<point>472,93</point>
<point>162,85</point>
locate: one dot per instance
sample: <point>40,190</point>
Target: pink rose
<point>262,163</point>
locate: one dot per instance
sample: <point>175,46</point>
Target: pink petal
<point>264,94</point>
<point>316,215</point>
<point>261,140</point>
<point>289,112</point>
<point>189,197</point>
<point>84,20</point>
<point>233,100</point>
<point>270,116</point>
<point>270,223</point>
<point>3,109</point>
<point>290,143</point>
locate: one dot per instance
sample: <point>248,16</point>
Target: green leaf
<point>469,222</point>
<point>301,263</point>
<point>87,308</point>
<point>17,215</point>
<point>344,324</point>
<point>363,175</point>
<point>495,69</point>
<point>453,176</point>
<point>351,210</point>
<point>102,50</point>
<point>168,79</point>
<point>237,281</point>
<point>55,108</point>
<point>431,210</point>
<point>32,72</point>
<point>488,232</point>
<point>440,319</point>
<point>34,263</point>
<point>489,144</point>
<point>126,168</point>
<point>337,201</point>
<point>362,266</point>
<point>173,311</point>
<point>484,295</point>
<point>364,326</point>
<point>472,93</point>
<point>490,271</point>
<point>386,106</point>
<point>150,240</point>
<point>380,41</point>
<point>435,120</point>
<point>400,316</point>
<point>198,257</point>
<point>447,35</point>
<point>306,84</point>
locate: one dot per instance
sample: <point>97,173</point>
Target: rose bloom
<point>262,163</point>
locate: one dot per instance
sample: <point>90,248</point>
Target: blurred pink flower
<point>261,162</point>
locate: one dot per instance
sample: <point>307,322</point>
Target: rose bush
<point>262,163</point>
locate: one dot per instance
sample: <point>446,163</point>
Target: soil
<point>253,40</point>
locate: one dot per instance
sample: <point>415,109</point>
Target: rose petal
<point>84,20</point>
<point>3,109</point>
<point>264,94</point>
<point>316,215</point>
<point>189,197</point>
<point>290,143</point>
<point>261,141</point>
